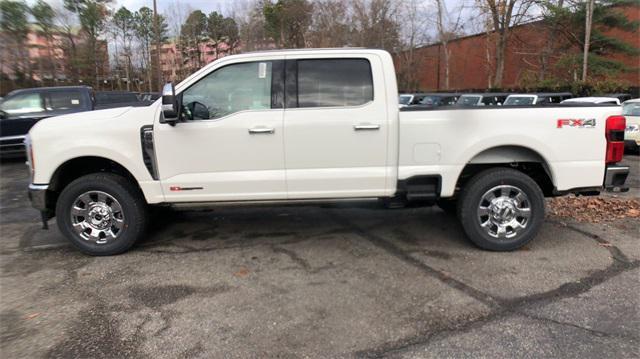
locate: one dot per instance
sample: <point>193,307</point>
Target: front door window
<point>230,89</point>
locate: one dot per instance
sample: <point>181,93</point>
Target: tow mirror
<point>169,104</point>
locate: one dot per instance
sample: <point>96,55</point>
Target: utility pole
<point>156,58</point>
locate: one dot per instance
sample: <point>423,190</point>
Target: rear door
<point>336,126</point>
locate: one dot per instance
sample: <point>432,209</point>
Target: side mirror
<point>169,104</point>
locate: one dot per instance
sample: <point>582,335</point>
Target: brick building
<point>472,60</point>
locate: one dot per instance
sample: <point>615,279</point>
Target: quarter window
<point>334,82</point>
<point>230,89</point>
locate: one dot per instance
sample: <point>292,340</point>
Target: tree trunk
<point>587,37</point>
<point>500,57</point>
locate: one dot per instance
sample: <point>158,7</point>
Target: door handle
<point>261,130</point>
<point>366,127</point>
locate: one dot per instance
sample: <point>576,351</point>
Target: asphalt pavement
<point>317,282</point>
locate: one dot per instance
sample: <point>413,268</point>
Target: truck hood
<point>91,115</point>
<point>98,123</point>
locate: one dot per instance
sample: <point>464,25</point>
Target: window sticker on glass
<point>262,70</point>
<point>75,101</point>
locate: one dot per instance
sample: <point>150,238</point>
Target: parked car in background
<point>593,100</point>
<point>539,99</point>
<point>110,99</point>
<point>620,96</point>
<point>482,99</point>
<point>405,99</point>
<point>148,96</point>
<point>410,99</point>
<point>438,99</point>
<point>631,110</point>
<point>22,109</point>
<point>227,134</point>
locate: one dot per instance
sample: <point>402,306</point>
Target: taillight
<point>614,132</point>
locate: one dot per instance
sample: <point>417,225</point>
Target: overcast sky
<point>205,5</point>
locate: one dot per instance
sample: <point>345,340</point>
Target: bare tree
<point>503,15</point>
<point>330,24</point>
<point>447,30</point>
<point>414,17</point>
<point>374,24</point>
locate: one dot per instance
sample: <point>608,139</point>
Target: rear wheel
<point>501,209</point>
<point>101,214</point>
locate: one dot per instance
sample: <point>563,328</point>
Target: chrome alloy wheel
<point>504,211</point>
<point>97,217</point>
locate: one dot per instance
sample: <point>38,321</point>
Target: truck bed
<point>441,141</point>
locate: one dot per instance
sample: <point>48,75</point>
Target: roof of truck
<point>48,89</point>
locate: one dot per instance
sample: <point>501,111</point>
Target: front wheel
<point>101,214</point>
<point>501,209</point>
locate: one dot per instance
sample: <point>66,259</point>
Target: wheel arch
<point>77,167</point>
<point>522,158</point>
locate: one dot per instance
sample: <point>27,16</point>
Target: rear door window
<point>64,100</point>
<point>334,82</point>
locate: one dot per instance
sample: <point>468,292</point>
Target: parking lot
<point>332,281</point>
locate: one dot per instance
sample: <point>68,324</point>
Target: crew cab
<point>22,109</point>
<point>310,126</point>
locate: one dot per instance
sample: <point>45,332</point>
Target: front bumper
<point>615,177</point>
<point>38,196</point>
<point>12,146</point>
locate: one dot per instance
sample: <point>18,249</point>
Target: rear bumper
<point>615,177</point>
<point>38,196</point>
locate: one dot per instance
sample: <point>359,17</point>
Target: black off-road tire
<point>469,202</point>
<point>126,193</point>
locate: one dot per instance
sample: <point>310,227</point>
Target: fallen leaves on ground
<point>242,272</point>
<point>594,209</point>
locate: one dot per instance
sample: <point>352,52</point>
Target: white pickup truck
<point>301,126</point>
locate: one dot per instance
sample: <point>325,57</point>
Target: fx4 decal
<point>577,122</point>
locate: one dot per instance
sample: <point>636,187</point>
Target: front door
<point>230,144</point>
<point>336,127</point>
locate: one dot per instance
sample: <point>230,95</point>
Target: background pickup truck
<point>312,126</point>
<point>21,109</point>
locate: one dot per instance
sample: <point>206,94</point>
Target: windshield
<point>468,100</point>
<point>519,101</point>
<point>404,99</point>
<point>631,109</point>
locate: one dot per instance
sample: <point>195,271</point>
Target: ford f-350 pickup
<point>300,126</point>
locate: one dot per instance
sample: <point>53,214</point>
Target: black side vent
<point>420,188</point>
<point>148,151</point>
